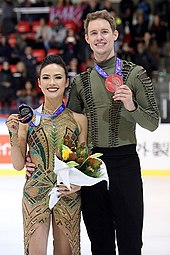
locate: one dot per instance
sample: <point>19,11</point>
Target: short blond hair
<point>103,14</point>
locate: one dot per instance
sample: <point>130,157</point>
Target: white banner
<point>153,148</point>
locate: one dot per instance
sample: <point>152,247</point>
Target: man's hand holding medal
<point>114,84</point>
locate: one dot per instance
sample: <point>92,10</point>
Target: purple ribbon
<point>104,74</point>
<point>47,116</point>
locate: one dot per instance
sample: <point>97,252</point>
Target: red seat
<point>50,23</point>
<point>12,40</point>
<point>39,54</point>
<point>35,24</point>
<point>13,68</point>
<point>23,27</point>
<point>53,51</point>
<point>0,106</point>
<point>69,24</point>
<point>30,36</point>
<point>13,105</point>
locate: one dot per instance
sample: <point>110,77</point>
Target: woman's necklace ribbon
<point>113,81</point>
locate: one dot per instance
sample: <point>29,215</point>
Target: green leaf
<point>64,147</point>
<point>96,155</point>
<point>72,164</point>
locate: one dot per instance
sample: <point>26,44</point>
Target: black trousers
<point>115,214</point>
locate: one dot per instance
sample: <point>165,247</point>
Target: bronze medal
<point>113,81</point>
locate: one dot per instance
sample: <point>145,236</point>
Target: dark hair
<point>54,59</point>
<point>103,14</point>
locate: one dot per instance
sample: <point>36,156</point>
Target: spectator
<point>162,7</point>
<point>151,44</point>
<point>126,11</point>
<point>30,63</point>
<point>107,5</point>
<point>159,30</point>
<point>8,17</point>
<point>5,49</point>
<point>144,58</point>
<point>6,89</point>
<point>27,95</point>
<point>18,49</point>
<point>91,6</point>
<point>145,7</point>
<point>120,29</point>
<point>73,68</point>
<point>19,77</point>
<point>70,46</point>
<point>139,28</point>
<point>126,51</point>
<point>59,34</point>
<point>43,35</point>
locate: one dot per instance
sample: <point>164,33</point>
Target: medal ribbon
<point>48,116</point>
<point>39,114</point>
<point>104,74</point>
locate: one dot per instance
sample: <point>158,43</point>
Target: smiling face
<point>53,82</point>
<point>101,37</point>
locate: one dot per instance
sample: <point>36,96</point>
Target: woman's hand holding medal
<point>12,123</point>
<point>24,116</point>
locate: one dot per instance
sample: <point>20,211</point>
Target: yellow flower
<point>91,169</point>
<point>80,156</point>
<point>65,154</point>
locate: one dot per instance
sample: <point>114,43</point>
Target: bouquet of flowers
<point>76,164</point>
<point>80,156</point>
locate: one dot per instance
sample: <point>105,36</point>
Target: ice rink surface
<point>156,234</point>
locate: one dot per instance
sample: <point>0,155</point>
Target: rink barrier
<point>12,172</point>
<point>144,172</point>
<point>153,149</point>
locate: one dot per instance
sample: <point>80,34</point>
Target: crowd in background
<point>143,39</point>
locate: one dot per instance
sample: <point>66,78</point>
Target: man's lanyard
<point>104,74</point>
<point>113,81</point>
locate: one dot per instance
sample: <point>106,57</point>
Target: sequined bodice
<point>44,139</point>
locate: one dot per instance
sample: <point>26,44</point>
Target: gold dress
<point>42,141</point>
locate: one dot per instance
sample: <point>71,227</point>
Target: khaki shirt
<point>110,124</point>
